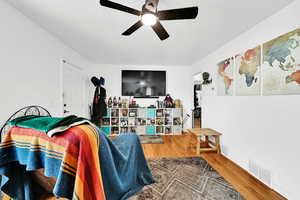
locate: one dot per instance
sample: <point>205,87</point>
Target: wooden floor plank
<point>185,146</point>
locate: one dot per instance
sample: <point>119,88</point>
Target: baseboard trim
<point>240,178</point>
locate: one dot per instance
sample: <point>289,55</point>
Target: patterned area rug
<point>151,139</point>
<point>186,179</point>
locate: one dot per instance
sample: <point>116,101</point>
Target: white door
<point>73,90</point>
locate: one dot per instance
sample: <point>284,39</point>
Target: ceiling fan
<point>150,16</point>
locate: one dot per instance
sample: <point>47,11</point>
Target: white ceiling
<point>95,31</point>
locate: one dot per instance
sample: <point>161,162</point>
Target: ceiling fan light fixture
<point>149,19</point>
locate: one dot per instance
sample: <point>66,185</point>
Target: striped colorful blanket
<point>71,157</point>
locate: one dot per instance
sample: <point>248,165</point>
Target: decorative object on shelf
<point>115,102</point>
<point>168,129</point>
<point>159,121</point>
<point>119,102</point>
<point>159,112</point>
<point>205,77</point>
<point>99,108</point>
<point>115,112</point>
<point>132,113</point>
<point>124,112</point>
<point>159,104</point>
<point>133,104</point>
<point>177,121</point>
<point>168,101</point>
<point>124,122</point>
<point>159,130</point>
<point>177,103</point>
<point>109,103</point>
<point>115,121</point>
<point>124,103</point>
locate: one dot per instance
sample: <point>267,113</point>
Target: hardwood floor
<point>185,146</point>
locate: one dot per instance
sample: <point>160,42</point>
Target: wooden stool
<point>206,132</point>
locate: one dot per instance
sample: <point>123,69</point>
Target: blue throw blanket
<point>124,168</point>
<point>123,165</point>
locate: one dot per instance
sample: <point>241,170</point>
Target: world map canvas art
<point>248,72</point>
<point>281,65</point>
<point>225,77</point>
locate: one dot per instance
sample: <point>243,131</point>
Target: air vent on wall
<point>260,173</point>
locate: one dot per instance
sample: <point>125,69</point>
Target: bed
<point>115,180</point>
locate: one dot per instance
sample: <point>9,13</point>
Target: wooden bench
<point>206,133</point>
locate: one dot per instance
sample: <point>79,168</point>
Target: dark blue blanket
<point>123,166</point>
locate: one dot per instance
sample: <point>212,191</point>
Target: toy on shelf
<point>109,102</point>
<point>169,101</point>
<point>177,103</point>
<point>115,102</point>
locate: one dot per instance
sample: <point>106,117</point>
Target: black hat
<point>95,81</point>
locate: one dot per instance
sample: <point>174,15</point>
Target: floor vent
<point>262,174</point>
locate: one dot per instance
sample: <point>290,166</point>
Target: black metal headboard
<point>28,110</point>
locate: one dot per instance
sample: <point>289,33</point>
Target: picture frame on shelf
<point>124,112</point>
<point>159,112</point>
<point>114,112</point>
<point>123,122</point>
<point>132,112</point>
<point>131,121</point>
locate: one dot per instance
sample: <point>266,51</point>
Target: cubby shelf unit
<point>143,121</point>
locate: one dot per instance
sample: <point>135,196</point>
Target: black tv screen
<point>143,83</point>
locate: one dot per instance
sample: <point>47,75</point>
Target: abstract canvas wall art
<point>281,65</point>
<point>248,72</point>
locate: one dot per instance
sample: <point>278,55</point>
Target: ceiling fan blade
<point>120,7</point>
<point>181,13</point>
<point>160,31</point>
<point>133,28</point>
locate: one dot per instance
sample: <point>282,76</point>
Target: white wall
<point>30,60</point>
<point>261,128</point>
<point>179,83</point>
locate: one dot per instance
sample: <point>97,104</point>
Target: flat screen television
<point>143,84</point>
